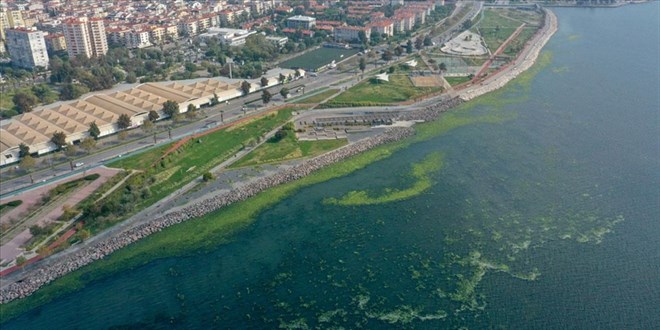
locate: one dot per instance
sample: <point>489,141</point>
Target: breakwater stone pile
<point>41,275</point>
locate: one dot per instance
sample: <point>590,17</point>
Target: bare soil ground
<point>426,81</point>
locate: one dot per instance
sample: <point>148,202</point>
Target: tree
<point>147,126</point>
<point>363,64</point>
<point>170,108</point>
<point>88,144</point>
<point>207,176</point>
<point>192,111</point>
<point>27,163</point>
<point>94,130</point>
<point>281,78</point>
<point>266,96</point>
<point>123,122</point>
<point>153,116</point>
<point>44,93</point>
<point>390,70</point>
<point>23,150</point>
<point>443,66</point>
<point>131,78</point>
<point>409,47</point>
<point>72,91</point>
<point>398,51</point>
<point>71,150</point>
<point>263,81</point>
<point>419,43</point>
<point>122,135</point>
<point>24,101</point>
<point>245,87</point>
<point>387,55</point>
<point>214,99</point>
<point>59,140</point>
<point>284,92</point>
<point>427,40</point>
<point>297,73</point>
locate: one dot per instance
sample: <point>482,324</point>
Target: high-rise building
<point>85,36</point>
<point>97,37</point>
<point>9,19</point>
<point>27,48</point>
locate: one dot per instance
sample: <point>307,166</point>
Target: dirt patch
<point>426,81</point>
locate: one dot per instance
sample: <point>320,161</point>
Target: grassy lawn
<point>456,80</point>
<point>495,28</point>
<point>316,98</point>
<point>318,58</point>
<point>518,43</point>
<point>199,155</point>
<point>398,89</point>
<point>287,149</point>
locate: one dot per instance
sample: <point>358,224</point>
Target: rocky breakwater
<point>40,275</point>
<point>431,112</point>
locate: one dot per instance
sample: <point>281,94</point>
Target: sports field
<point>317,58</point>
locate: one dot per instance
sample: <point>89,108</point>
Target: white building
<point>351,33</point>
<point>231,37</point>
<point>27,48</point>
<point>303,22</point>
<point>137,39</point>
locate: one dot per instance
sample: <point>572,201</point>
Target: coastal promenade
<point>22,284</point>
<point>524,61</point>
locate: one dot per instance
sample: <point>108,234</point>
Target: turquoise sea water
<point>549,219</point>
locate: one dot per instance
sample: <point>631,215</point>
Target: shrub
<point>207,176</point>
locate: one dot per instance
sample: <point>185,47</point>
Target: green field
<point>456,80</point>
<point>495,28</point>
<point>190,161</point>
<point>317,58</point>
<point>370,91</point>
<point>518,43</point>
<point>317,98</point>
<point>199,156</point>
<point>287,149</point>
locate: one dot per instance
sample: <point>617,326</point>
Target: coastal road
<point>210,117</point>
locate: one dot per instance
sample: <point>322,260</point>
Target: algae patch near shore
<point>420,173</point>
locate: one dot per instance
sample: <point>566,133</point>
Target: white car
<point>79,164</point>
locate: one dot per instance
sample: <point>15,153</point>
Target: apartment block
<point>27,48</point>
<point>85,37</point>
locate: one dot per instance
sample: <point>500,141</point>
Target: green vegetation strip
<point>457,80</point>
<point>374,92</point>
<point>420,172</point>
<point>287,149</point>
<point>319,97</point>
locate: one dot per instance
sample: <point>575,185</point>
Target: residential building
<point>10,19</point>
<point>27,48</point>
<point>138,39</point>
<point>55,42</point>
<point>300,22</point>
<point>385,27</point>
<point>85,37</point>
<point>279,41</point>
<point>351,33</point>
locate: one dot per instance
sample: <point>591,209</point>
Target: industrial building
<point>35,129</point>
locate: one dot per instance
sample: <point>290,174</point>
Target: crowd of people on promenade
<point>40,275</point>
